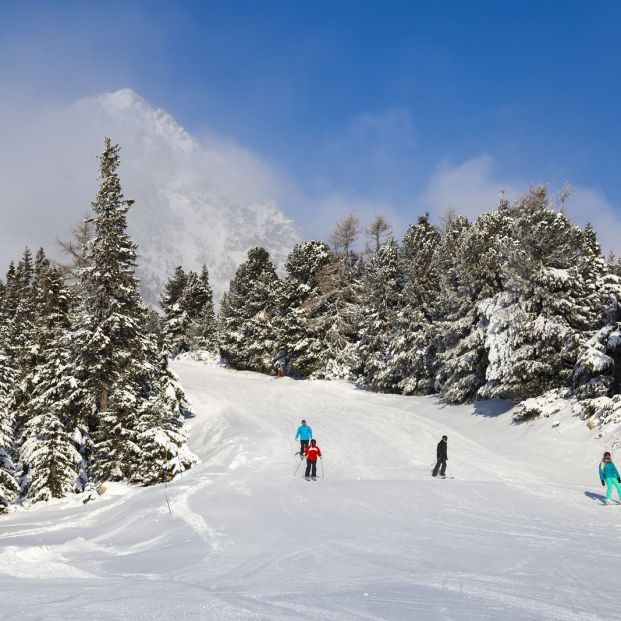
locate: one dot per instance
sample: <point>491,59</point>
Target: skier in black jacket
<point>442,458</point>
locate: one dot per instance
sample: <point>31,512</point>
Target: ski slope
<point>518,534</point>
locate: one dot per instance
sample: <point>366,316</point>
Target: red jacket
<point>312,452</point>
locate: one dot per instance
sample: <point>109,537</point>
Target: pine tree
<point>47,450</point>
<point>246,323</point>
<point>470,268</point>
<point>411,357</point>
<point>197,302</point>
<point>115,359</point>
<point>300,347</point>
<point>175,315</point>
<point>335,313</point>
<point>20,329</point>
<point>9,488</point>
<point>598,368</point>
<point>173,289</point>
<point>380,304</point>
<point>160,433</point>
<point>536,322</point>
<point>190,320</point>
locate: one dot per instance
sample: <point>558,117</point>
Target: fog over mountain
<point>197,202</point>
<point>192,206</point>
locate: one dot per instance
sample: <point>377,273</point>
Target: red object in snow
<point>312,452</point>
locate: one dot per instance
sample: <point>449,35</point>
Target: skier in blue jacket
<point>609,476</point>
<point>305,433</point>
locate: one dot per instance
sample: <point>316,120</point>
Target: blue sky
<point>384,104</point>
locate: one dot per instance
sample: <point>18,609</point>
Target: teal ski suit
<point>609,475</point>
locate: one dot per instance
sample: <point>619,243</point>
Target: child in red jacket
<point>312,452</point>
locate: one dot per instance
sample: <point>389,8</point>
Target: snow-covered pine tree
<point>160,433</point>
<point>20,318</point>
<point>333,308</point>
<point>153,325</point>
<point>381,301</point>
<point>9,487</point>
<point>247,332</point>
<point>470,269</point>
<point>411,360</point>
<point>334,315</point>
<point>114,357</point>
<point>197,302</point>
<point>47,451</point>
<point>300,347</point>
<point>537,323</point>
<point>190,320</point>
<point>598,369</point>
<point>175,321</point>
<point>173,289</point>
<point>613,263</point>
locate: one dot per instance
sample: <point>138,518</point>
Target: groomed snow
<point>518,534</point>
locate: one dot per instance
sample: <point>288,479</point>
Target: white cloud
<point>388,128</point>
<point>48,166</point>
<point>470,188</point>
<point>196,202</point>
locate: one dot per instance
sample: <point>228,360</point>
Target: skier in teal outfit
<point>609,476</point>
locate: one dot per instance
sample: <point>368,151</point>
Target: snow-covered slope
<point>196,202</point>
<point>518,534</point>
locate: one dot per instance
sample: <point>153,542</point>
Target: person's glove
<point>618,479</point>
<point>603,484</point>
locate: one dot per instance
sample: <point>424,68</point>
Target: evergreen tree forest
<point>86,395</point>
<point>518,304</point>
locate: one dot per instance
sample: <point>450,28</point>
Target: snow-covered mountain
<point>196,202</point>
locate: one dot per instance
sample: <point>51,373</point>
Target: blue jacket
<point>607,470</point>
<point>304,432</point>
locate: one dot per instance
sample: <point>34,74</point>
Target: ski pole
<point>296,470</point>
<point>166,479</point>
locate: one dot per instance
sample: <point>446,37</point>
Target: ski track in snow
<point>514,536</point>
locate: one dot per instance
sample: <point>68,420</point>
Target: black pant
<point>303,445</point>
<point>441,462</point>
<point>311,465</point>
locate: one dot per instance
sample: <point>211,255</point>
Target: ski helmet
<point>607,455</point>
<point>313,441</point>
